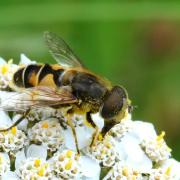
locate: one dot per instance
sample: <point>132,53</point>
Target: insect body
<point>88,92</point>
<point>68,83</point>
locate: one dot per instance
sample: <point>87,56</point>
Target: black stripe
<point>30,69</point>
<point>57,77</point>
<point>47,69</point>
<point>18,78</point>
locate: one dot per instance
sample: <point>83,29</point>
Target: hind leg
<point>69,122</point>
<point>17,122</point>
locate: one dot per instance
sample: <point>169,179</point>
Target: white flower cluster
<point>48,133</point>
<point>7,70</point>
<point>42,146</point>
<point>104,152</point>
<point>66,164</point>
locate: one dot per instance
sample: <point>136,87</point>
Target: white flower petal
<point>89,167</point>
<point>5,120</point>
<point>5,155</point>
<point>84,135</point>
<point>69,139</point>
<point>23,124</point>
<point>173,165</point>
<point>6,100</point>
<point>25,60</point>
<point>2,61</point>
<point>36,151</point>
<point>91,178</point>
<point>119,147</point>
<point>9,176</point>
<point>143,130</point>
<point>20,157</point>
<point>98,120</point>
<point>132,153</point>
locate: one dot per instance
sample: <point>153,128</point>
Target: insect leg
<point>96,133</point>
<point>69,122</point>
<point>17,122</point>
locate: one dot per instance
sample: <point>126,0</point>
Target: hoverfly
<point>69,83</point>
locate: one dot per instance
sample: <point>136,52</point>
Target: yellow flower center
<point>108,145</point>
<point>68,165</point>
<point>14,130</point>
<point>69,154</point>
<point>37,162</point>
<point>4,69</point>
<point>168,171</point>
<point>104,151</point>
<point>125,171</point>
<point>41,171</point>
<point>45,125</point>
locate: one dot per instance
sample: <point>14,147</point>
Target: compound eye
<point>113,102</point>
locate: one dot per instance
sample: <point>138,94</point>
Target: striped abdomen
<point>38,75</point>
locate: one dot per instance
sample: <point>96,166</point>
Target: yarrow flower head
<point>13,140</point>
<point>104,152</point>
<point>48,133</point>
<point>51,143</point>
<point>156,149</point>
<point>35,168</point>
<point>121,171</point>
<point>66,165</point>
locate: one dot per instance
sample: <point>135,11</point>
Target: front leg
<point>96,133</point>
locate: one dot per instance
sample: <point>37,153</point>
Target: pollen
<point>41,171</point>
<point>125,171</point>
<point>69,154</point>
<point>14,130</point>
<point>103,151</point>
<point>100,137</point>
<point>45,125</point>
<point>37,162</point>
<point>68,165</point>
<point>108,145</point>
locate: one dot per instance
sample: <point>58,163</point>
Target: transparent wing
<point>61,52</point>
<point>36,97</point>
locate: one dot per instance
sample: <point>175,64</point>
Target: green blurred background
<point>132,43</point>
